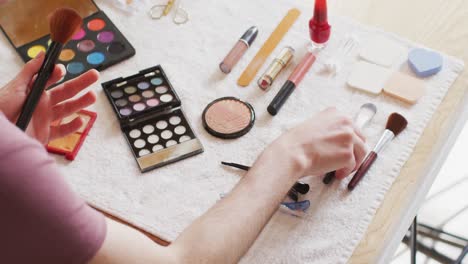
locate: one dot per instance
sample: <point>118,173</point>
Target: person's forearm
<point>229,228</point>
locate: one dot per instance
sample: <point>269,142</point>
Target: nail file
<point>404,87</point>
<point>425,63</point>
<point>382,51</point>
<point>368,77</point>
<point>270,44</point>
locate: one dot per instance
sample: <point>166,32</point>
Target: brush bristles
<point>396,123</point>
<point>64,23</point>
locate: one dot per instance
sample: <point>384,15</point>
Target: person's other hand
<point>326,142</point>
<point>54,104</point>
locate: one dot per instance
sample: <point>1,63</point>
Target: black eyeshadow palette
<point>151,118</point>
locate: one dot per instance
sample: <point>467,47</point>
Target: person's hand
<point>54,104</point>
<point>326,142</point>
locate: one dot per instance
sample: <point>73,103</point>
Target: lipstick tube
<point>238,50</point>
<point>275,68</point>
<point>294,79</point>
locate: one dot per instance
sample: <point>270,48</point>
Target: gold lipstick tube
<point>278,64</point>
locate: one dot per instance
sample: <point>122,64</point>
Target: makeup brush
<point>396,123</point>
<point>298,187</point>
<point>361,120</point>
<point>63,23</point>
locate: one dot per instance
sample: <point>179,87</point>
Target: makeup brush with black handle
<point>63,23</point>
<point>396,123</point>
<point>298,187</point>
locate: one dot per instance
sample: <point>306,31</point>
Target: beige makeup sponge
<point>405,87</point>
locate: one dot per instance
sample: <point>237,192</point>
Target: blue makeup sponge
<point>424,62</point>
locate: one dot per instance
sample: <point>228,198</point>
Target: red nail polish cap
<point>319,28</point>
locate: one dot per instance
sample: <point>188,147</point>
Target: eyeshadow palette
<point>71,144</point>
<point>151,118</point>
<point>97,45</point>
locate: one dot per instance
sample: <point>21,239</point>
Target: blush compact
<point>151,118</point>
<point>97,45</point>
<point>228,118</point>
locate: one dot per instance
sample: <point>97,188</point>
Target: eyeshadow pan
<point>166,98</point>
<point>184,138</point>
<point>143,152</point>
<point>125,111</point>
<point>153,139</point>
<point>130,90</point>
<point>174,120</point>
<point>79,35</point>
<point>161,124</point>
<point>139,107</point>
<point>75,67</point>
<point>67,55</point>
<point>148,94</point>
<point>171,143</point>
<point>134,98</point>
<point>139,143</point>
<point>117,94</point>
<point>35,50</point>
<point>96,24</point>
<point>86,45</point>
<point>105,36</point>
<point>135,133</point>
<point>156,81</point>
<point>166,134</point>
<point>157,147</point>
<point>121,102</point>
<point>152,102</point>
<point>179,130</point>
<point>96,58</point>
<point>143,85</point>
<point>116,48</point>
<point>148,129</point>
<point>161,89</point>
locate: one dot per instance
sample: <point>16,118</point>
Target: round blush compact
<point>228,118</point>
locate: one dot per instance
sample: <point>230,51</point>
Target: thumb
<point>30,69</point>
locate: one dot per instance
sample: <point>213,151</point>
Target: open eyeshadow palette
<point>97,45</point>
<point>152,119</point>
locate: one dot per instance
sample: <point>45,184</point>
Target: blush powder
<point>228,117</point>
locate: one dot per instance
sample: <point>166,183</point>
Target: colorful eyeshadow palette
<point>97,45</point>
<point>151,118</point>
<point>71,144</point>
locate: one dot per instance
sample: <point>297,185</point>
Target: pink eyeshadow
<point>79,35</point>
<point>152,102</point>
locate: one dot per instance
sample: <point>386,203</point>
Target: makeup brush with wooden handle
<point>396,123</point>
<point>63,23</point>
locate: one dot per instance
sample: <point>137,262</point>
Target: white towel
<point>166,200</point>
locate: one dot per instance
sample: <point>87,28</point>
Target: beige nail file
<point>283,27</point>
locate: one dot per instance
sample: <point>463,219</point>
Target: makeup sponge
<point>382,51</point>
<point>368,77</point>
<point>404,87</point>
<point>425,63</point>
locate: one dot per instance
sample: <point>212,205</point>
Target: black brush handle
<point>39,85</point>
<point>329,177</point>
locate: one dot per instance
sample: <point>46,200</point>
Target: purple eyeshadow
<point>125,111</point>
<point>86,45</point>
<point>105,37</point>
<point>143,85</point>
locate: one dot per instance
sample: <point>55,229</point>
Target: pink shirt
<point>41,219</point>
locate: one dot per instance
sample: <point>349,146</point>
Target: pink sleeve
<point>42,220</point>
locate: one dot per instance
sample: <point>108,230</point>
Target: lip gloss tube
<point>238,50</point>
<point>275,68</point>
<point>294,79</point>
